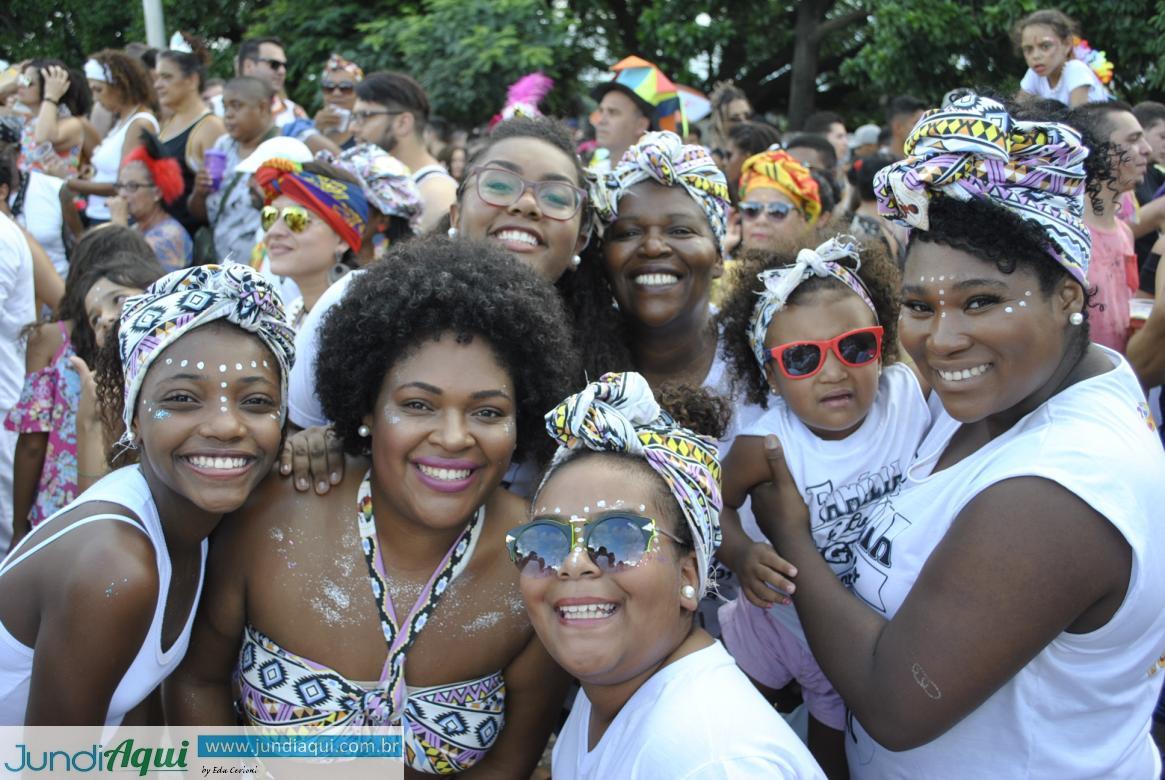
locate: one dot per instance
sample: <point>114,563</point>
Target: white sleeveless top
<point>1081,707</point>
<point>107,162</point>
<point>125,487</point>
<point>843,480</point>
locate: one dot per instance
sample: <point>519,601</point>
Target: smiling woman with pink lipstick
<point>1010,594</point>
<point>437,367</point>
<point>98,600</point>
<point>613,565</point>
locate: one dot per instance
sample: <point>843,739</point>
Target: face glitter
<point>161,414</point>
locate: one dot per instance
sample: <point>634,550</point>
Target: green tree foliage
<point>849,54</point>
<point>926,47</point>
<point>466,52</point>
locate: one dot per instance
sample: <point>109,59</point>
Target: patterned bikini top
<point>446,728</point>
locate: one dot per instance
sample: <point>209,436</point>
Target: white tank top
<point>41,215</point>
<point>1081,707</point>
<point>125,487</point>
<point>842,481</point>
<point>106,162</point>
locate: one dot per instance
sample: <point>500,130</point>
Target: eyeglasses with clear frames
<point>557,200</point>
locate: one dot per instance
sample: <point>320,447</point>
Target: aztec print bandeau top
<point>446,728</point>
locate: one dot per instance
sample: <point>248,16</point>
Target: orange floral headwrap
<point>779,170</point>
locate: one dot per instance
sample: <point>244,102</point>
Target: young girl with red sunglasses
<point>814,340</point>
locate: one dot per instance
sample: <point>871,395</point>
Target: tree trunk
<point>803,84</point>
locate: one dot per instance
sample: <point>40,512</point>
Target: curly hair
<point>878,272</point>
<point>1004,239</point>
<point>130,78</point>
<point>432,286</point>
<point>598,335</point>
<point>1104,157</point>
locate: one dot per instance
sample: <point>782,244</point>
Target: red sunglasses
<point>803,359</point>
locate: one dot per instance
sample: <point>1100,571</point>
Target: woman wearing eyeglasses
<point>780,202</point>
<point>148,185</point>
<point>314,219</point>
<point>338,87</point>
<point>612,567</point>
<point>390,600</point>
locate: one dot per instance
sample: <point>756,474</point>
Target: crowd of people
<point>621,446</point>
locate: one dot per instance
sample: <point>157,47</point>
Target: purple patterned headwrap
<point>974,149</point>
<point>387,183</point>
<point>663,158</point>
<point>184,300</point>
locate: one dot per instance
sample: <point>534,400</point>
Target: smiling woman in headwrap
<point>780,201</point>
<point>315,215</point>
<point>99,598</point>
<point>1010,594</point>
<point>613,565</point>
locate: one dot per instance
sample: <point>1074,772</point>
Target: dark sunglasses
<point>803,359</point>
<point>614,542</point>
<point>557,200</point>
<point>272,63</point>
<point>752,209</point>
<point>297,218</point>
<point>338,86</point>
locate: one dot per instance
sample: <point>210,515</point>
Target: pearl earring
<point>576,261</point>
<point>1076,318</point>
<point>364,431</point>
<point>688,592</point>
<point>451,232</point>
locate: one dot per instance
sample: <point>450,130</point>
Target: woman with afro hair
<point>437,368</point>
<point>148,185</point>
<point>1005,614</point>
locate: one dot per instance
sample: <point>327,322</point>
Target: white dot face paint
<point>238,366</point>
<point>169,361</point>
<point>1008,309</point>
<point>223,385</point>
<point>602,504</point>
<point>253,365</point>
<point>183,364</point>
<point>222,399</point>
<point>943,315</point>
<point>200,365</point>
<point>1027,293</point>
<point>1023,303</point>
<point>222,368</point>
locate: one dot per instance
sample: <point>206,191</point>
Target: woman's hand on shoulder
<point>313,456</point>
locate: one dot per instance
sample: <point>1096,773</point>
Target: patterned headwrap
<point>337,62</point>
<point>183,300</point>
<point>663,158</point>
<point>388,185</point>
<point>781,171</point>
<point>824,261</point>
<point>340,204</point>
<point>618,413</point>
<point>974,149</point>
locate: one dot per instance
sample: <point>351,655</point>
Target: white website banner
<point>210,752</point>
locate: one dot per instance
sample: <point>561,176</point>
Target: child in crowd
<point>109,264</point>
<point>820,334</point>
<point>1047,39</point>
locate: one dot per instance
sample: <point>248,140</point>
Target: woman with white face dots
<point>613,565</point>
<point>969,623</point>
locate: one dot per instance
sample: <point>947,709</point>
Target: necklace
<point>387,703</point>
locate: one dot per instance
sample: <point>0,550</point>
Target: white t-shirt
<point>843,480</point>
<point>303,405</point>
<point>41,215</point>
<point>699,717</point>
<point>1075,74</point>
<point>17,309</point>
<point>107,162</point>
<point>1081,707</point>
